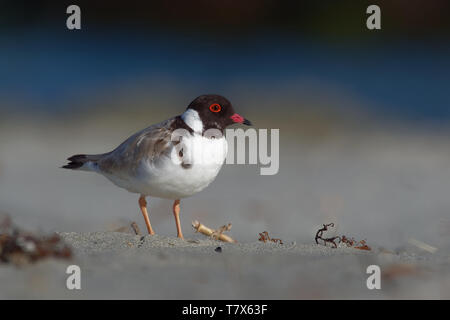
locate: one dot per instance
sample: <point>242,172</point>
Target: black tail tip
<point>73,165</point>
<point>77,158</point>
<point>75,161</point>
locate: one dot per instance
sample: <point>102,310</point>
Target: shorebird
<point>173,159</point>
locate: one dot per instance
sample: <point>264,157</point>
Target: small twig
<point>422,245</point>
<point>216,234</point>
<point>135,228</point>
<point>325,240</point>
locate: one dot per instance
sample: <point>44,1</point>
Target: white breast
<point>167,178</point>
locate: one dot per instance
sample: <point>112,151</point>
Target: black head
<point>216,112</point>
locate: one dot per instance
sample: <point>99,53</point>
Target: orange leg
<point>143,206</point>
<point>176,213</point>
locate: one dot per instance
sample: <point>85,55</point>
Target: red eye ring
<point>215,107</point>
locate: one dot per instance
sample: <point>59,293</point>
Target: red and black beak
<point>239,119</point>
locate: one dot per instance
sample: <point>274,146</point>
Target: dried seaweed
<point>264,237</point>
<point>319,236</point>
<point>20,247</point>
<point>349,242</point>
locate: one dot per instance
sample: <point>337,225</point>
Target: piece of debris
<point>218,249</point>
<point>136,229</point>
<point>349,242</point>
<point>422,245</point>
<point>20,247</point>
<point>128,227</point>
<point>331,240</point>
<point>264,237</point>
<point>215,234</point>
<point>361,245</point>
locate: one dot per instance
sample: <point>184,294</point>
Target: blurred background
<point>363,115</point>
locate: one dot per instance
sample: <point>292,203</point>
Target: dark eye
<point>215,107</point>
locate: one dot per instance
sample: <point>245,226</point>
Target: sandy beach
<point>125,266</point>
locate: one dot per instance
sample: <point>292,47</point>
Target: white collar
<point>192,119</point>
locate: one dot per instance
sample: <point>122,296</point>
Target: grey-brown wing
<point>153,143</point>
